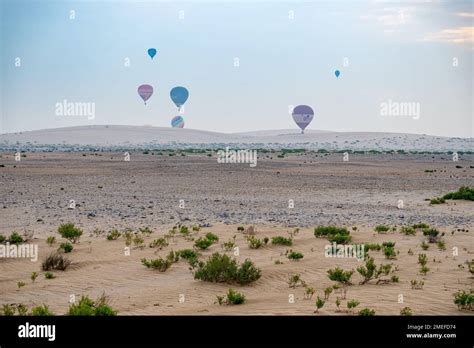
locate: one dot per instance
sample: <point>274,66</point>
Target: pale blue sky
<point>396,50</point>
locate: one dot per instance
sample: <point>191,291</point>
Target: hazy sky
<point>401,51</point>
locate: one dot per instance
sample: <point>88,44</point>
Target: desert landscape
<point>149,224</point>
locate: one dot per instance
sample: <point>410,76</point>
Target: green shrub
<point>113,235</point>
<point>466,193</point>
<point>375,247</point>
<point>2,238</point>
<point>66,247</point>
<point>406,311</point>
<point>329,230</point>
<point>8,310</point>
<point>352,304</point>
<point>339,275</point>
<point>138,242</point>
<point>254,243</point>
<point>294,255</point>
<point>203,243</point>
<point>55,261</point>
<point>88,307</point>
<point>196,228</point>
<point>339,238</point>
<point>234,297</point>
<point>327,292</point>
<point>319,303</point>
<point>15,238</point>
<point>389,252</point>
<point>464,300</point>
<point>159,243</point>
<point>367,312</point>
<point>408,230</point>
<point>381,228</point>
<point>49,275</point>
<point>20,284</point>
<point>188,254</point>
<point>212,237</point>
<point>441,245</point>
<point>160,264</point>
<point>368,271</point>
<point>295,280</point>
<point>145,230</point>
<point>422,259</point>
<point>437,200</point>
<point>42,311</point>
<point>221,268</point>
<point>432,234</point>
<point>33,276</point>
<point>309,292</point>
<point>415,284</point>
<point>229,245</point>
<point>424,246</point>
<point>50,240</point>
<point>420,226</point>
<point>424,270</point>
<point>70,232</point>
<point>279,240</point>
<point>240,228</point>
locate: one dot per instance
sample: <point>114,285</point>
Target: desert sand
<point>146,191</point>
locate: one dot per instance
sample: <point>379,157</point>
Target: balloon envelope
<point>152,52</point>
<point>179,95</point>
<point>303,115</point>
<point>337,73</point>
<point>145,92</point>
<point>177,122</point>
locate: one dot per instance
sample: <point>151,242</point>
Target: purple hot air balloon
<point>303,115</point>
<point>145,91</point>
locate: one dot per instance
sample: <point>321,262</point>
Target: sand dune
<point>143,136</point>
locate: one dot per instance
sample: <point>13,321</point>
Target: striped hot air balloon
<point>303,115</point>
<point>177,122</point>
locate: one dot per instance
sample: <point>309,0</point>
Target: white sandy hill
<point>110,136</point>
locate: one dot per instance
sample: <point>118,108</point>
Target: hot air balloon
<point>177,122</point>
<point>303,115</point>
<point>337,73</point>
<point>179,95</point>
<point>152,52</point>
<point>145,92</point>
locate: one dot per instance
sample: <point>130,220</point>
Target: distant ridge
<point>114,136</point>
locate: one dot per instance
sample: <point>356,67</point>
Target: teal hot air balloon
<point>152,52</point>
<point>179,95</point>
<point>337,73</point>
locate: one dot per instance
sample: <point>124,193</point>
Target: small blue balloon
<point>337,72</point>
<point>152,52</point>
<point>179,95</point>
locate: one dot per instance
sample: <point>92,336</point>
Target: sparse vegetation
<point>33,276</point>
<point>203,243</point>
<point>50,240</point>
<point>41,311</point>
<point>319,303</point>
<point>464,300</point>
<point>20,284</point>
<point>295,280</point>
<point>159,264</point>
<point>466,193</point>
<point>441,245</point>
<point>309,292</point>
<point>15,238</point>
<point>159,243</point>
<point>295,256</point>
<point>408,230</point>
<point>49,275</point>
<point>221,268</point>
<point>88,307</point>
<point>351,304</point>
<point>381,228</point>
<point>254,242</point>
<point>432,234</point>
<point>55,261</point>
<point>114,234</point>
<point>279,240</point>
<point>233,298</point>
<point>66,247</point>
<point>70,232</point>
<point>406,311</point>
<point>229,245</point>
<point>415,284</point>
<point>367,312</point>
